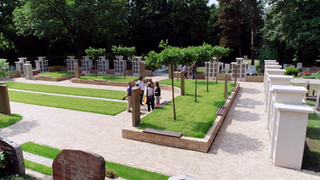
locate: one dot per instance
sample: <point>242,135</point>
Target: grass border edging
<point>103,82</point>
<point>196,144</point>
<point>55,79</point>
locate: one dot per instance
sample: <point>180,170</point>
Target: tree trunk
<point>217,63</point>
<point>172,82</point>
<point>207,76</point>
<point>252,33</point>
<point>79,50</point>
<point>195,86</point>
<point>96,67</point>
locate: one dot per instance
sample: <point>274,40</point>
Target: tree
<point>3,68</point>
<point>93,53</point>
<point>75,20</point>
<point>292,29</point>
<point>168,56</point>
<point>205,53</point>
<point>127,52</point>
<point>219,52</point>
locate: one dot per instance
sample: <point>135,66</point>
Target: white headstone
<point>251,69</point>
<point>227,67</point>
<point>318,101</point>
<point>292,66</point>
<point>299,65</point>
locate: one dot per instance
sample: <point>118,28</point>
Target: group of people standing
<point>152,93</point>
<point>184,68</point>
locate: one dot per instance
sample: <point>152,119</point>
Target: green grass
<point>194,119</point>
<point>101,93</point>
<point>121,170</point>
<point>111,78</point>
<point>56,74</point>
<point>201,69</point>
<point>311,157</point>
<point>78,104</point>
<point>7,120</point>
<point>38,167</point>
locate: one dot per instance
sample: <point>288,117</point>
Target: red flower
<point>0,147</point>
<point>4,164</point>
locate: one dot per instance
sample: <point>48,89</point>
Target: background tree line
<point>285,30</point>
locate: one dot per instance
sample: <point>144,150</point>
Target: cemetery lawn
<point>7,120</point>
<point>311,157</point>
<point>56,74</point>
<point>101,93</point>
<point>78,104</point>
<point>194,119</point>
<point>121,170</point>
<point>111,78</point>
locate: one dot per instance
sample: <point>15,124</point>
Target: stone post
<point>142,70</point>
<point>135,93</point>
<point>28,71</point>
<point>235,74</point>
<point>4,100</point>
<point>182,91</point>
<point>226,86</point>
<point>76,70</point>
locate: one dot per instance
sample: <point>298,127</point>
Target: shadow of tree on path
<point>21,127</point>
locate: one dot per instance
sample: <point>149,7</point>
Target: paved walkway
<point>240,151</point>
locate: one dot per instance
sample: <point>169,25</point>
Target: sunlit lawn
<point>56,74</point>
<point>7,120</point>
<point>194,119</point>
<point>111,78</point>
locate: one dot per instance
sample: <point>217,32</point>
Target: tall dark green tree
<point>75,20</point>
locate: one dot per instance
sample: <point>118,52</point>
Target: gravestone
<point>76,164</point>
<point>299,65</point>
<point>251,69</point>
<point>13,154</point>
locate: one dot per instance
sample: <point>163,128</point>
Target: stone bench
<point>220,111</point>
<point>162,132</point>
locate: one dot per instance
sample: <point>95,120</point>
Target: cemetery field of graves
<point>194,119</point>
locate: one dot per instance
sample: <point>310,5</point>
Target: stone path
<point>240,151</point>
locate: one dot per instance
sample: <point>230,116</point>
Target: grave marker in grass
<point>76,164</point>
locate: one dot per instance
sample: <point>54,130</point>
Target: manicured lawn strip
<point>311,156</point>
<point>38,167</point>
<point>111,78</point>
<point>40,150</point>
<point>56,74</point>
<point>78,104</point>
<point>7,120</point>
<point>101,93</point>
<point>127,172</point>
<point>121,170</point>
<point>194,119</point>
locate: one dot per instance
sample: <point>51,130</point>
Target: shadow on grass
<point>21,127</point>
<point>313,133</point>
<point>311,160</point>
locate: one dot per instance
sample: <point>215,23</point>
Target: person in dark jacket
<point>157,93</point>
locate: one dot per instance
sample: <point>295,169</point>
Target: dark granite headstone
<point>75,164</point>
<point>13,154</point>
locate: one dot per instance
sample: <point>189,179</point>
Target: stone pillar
<point>182,91</point>
<point>290,134</point>
<point>142,70</point>
<point>226,86</point>
<point>271,72</point>
<point>28,71</point>
<point>235,76</point>
<point>76,70</point>
<point>135,93</point>
<point>4,100</point>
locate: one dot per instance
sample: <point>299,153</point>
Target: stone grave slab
<point>13,154</point>
<point>76,164</point>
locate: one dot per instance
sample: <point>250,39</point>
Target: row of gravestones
<point>69,164</point>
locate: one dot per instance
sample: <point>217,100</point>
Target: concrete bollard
<point>4,100</point>
<point>235,74</point>
<point>76,70</point>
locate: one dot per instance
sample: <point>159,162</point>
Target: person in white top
<point>141,86</point>
<point>150,97</point>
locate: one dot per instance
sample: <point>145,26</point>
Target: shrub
<point>3,162</point>
<point>291,71</point>
<point>110,173</point>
